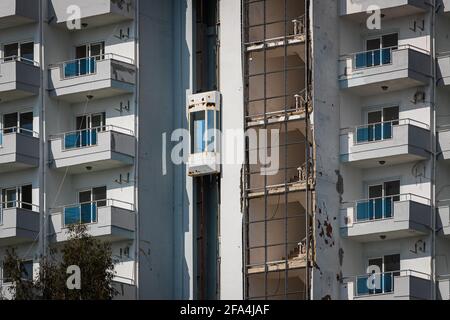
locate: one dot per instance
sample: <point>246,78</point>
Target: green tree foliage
<point>93,257</point>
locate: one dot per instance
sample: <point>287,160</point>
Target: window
<point>23,50</point>
<point>86,57</point>
<point>97,195</point>
<point>18,122</point>
<point>20,197</point>
<point>378,51</point>
<point>198,129</point>
<point>380,125</point>
<point>381,202</point>
<point>87,128</point>
<point>96,50</point>
<point>203,126</point>
<point>389,266</point>
<point>86,211</point>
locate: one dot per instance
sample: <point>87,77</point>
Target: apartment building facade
<point>357,96</point>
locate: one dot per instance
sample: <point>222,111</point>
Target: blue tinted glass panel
<point>71,216</point>
<point>387,130</point>
<point>386,56</point>
<point>361,60</point>
<point>376,57</point>
<point>361,286</point>
<point>378,208</point>
<point>378,132</point>
<point>362,135</point>
<point>388,204</point>
<point>71,140</point>
<point>71,69</point>
<point>388,283</point>
<point>362,211</point>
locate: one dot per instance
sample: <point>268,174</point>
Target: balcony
<point>443,69</point>
<point>94,13</point>
<point>357,10</point>
<point>443,137</point>
<point>109,220</point>
<point>391,217</point>
<point>94,149</point>
<point>19,223</point>
<point>445,6</point>
<point>443,287</point>
<point>19,149</point>
<point>384,70</point>
<point>391,142</point>
<point>15,13</point>
<point>443,218</point>
<point>101,76</point>
<point>399,285</point>
<point>19,78</point>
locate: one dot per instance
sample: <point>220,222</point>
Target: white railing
<point>87,212</point>
<point>380,283</point>
<point>87,137</point>
<point>382,208</point>
<point>380,131</point>
<point>375,58</point>
<point>18,59</point>
<point>87,66</point>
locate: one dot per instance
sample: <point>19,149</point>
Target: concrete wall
<point>325,275</point>
<point>231,87</point>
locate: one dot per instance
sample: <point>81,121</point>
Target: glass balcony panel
<point>361,286</point>
<point>386,56</point>
<point>375,209</point>
<point>80,67</point>
<point>368,285</point>
<point>362,211</point>
<point>388,207</point>
<point>376,57</point>
<point>71,140</point>
<point>362,135</point>
<point>378,209</point>
<point>71,216</point>
<point>388,283</point>
<point>387,130</point>
<point>88,213</point>
<point>361,60</point>
<point>71,69</point>
<point>373,58</point>
<point>377,132</point>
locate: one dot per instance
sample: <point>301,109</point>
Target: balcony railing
<point>382,208</point>
<point>88,65</point>
<point>15,204</point>
<point>80,67</point>
<point>382,283</point>
<point>88,137</point>
<point>375,132</point>
<point>18,59</point>
<point>25,132</point>
<point>373,58</point>
<point>382,130</point>
<point>87,213</point>
<point>376,58</point>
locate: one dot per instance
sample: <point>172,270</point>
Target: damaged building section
<point>278,220</point>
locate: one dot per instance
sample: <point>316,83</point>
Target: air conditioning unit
<point>205,137</point>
